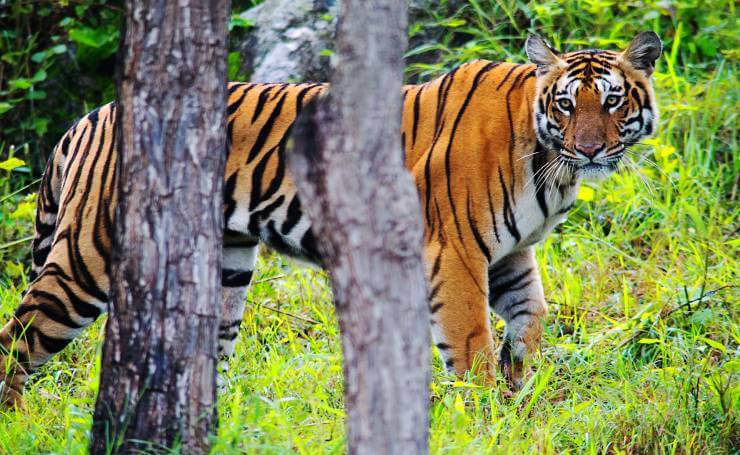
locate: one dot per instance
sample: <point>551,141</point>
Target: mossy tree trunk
<point>158,379</point>
<point>347,161</point>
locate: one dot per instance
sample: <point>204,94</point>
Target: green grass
<point>640,352</point>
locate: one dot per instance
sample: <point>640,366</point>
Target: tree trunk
<point>347,161</point>
<point>157,386</point>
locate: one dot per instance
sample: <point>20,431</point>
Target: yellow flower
<point>459,404</point>
<point>664,151</point>
<point>585,193</point>
<point>24,210</point>
<point>11,163</point>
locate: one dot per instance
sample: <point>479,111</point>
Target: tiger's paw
<point>11,393</point>
<point>12,381</point>
<point>11,399</point>
<point>511,364</point>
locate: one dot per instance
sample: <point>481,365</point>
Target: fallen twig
<point>700,298</point>
<point>16,242</point>
<point>302,318</point>
<point>19,190</point>
<point>683,305</point>
<point>264,280</point>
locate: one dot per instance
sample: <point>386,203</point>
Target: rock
<point>287,40</point>
<point>288,37</point>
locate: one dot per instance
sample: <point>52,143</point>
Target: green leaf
<point>733,366</point>
<point>36,95</point>
<point>702,317</point>
<point>80,10</point>
<point>459,404</point>
<point>25,210</point>
<point>14,269</point>
<point>89,37</point>
<point>39,76</point>
<point>12,163</point>
<point>40,125</point>
<point>234,65</point>
<point>38,57</point>
<point>59,49</point>
<point>707,45</point>
<point>5,107</point>
<point>20,84</point>
<point>236,21</point>
<point>716,345</point>
<point>695,216</point>
<point>453,23</point>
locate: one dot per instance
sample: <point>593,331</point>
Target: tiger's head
<point>591,105</point>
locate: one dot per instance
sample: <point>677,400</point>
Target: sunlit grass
<point>640,352</point>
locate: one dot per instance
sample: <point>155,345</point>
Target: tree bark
<point>158,379</point>
<point>347,161</point>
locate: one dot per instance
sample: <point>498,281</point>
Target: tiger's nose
<point>589,149</point>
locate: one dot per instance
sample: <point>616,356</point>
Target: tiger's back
<point>481,143</point>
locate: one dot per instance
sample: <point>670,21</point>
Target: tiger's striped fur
<point>497,156</point>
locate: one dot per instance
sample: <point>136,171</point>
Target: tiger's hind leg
<point>71,252</point>
<point>18,335</point>
<point>516,295</point>
<point>239,258</point>
<point>54,310</point>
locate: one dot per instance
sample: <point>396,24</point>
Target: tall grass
<point>640,353</point>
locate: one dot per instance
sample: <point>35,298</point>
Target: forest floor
<point>640,350</point>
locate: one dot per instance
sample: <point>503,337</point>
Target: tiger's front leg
<point>461,326</point>
<point>516,295</point>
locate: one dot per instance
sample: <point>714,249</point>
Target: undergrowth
<point>640,352</point>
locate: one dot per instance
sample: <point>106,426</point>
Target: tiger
<point>497,152</point>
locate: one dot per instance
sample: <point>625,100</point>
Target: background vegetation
<point>641,348</point>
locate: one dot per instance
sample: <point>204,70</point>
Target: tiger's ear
<point>540,53</point>
<point>643,51</point>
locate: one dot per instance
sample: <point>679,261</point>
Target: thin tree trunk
<point>157,386</point>
<point>348,165</point>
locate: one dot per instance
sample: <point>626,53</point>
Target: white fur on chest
<point>531,222</point>
<point>535,225</point>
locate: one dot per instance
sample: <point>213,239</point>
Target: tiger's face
<point>591,105</point>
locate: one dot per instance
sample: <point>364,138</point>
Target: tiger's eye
<point>565,104</point>
<point>612,100</point>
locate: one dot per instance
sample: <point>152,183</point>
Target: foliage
<point>57,60</point>
<point>641,348</point>
<point>697,33</point>
<point>56,63</point>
